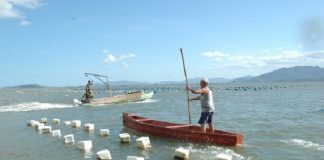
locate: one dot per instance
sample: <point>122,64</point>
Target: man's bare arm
<point>195,98</point>
<point>199,91</point>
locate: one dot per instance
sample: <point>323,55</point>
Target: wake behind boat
<point>122,98</point>
<point>180,131</point>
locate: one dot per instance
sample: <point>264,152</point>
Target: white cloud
<point>7,10</point>
<point>283,58</point>
<point>24,23</point>
<point>216,55</point>
<point>31,4</point>
<point>316,55</point>
<point>12,8</point>
<point>111,58</point>
<point>127,56</point>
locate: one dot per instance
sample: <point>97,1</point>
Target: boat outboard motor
<point>76,102</point>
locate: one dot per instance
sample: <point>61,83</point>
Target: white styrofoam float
<point>181,153</point>
<point>124,138</point>
<point>76,123</point>
<point>69,138</point>
<point>45,129</point>
<point>56,121</point>
<point>143,142</point>
<point>134,158</point>
<point>85,145</point>
<point>30,122</point>
<point>67,123</point>
<point>104,154</point>
<point>56,133</point>
<point>39,126</point>
<point>43,120</point>
<point>33,123</point>
<point>89,127</point>
<point>104,132</point>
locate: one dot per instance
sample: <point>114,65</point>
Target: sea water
<point>278,121</point>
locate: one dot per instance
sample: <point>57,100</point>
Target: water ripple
<point>304,144</point>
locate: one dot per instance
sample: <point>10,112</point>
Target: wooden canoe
<point>180,131</point>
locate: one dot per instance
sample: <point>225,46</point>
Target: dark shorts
<point>206,117</point>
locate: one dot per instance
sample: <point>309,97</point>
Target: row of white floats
<point>142,142</point>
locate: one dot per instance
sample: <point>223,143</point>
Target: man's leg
<point>210,122</point>
<point>211,127</point>
<point>203,127</point>
<point>203,120</point>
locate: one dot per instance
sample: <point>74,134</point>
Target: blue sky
<point>53,42</point>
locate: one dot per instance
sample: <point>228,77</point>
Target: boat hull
<point>180,131</point>
<point>129,97</point>
<point>117,99</point>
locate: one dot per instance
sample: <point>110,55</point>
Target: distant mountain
<point>27,86</point>
<point>242,79</point>
<point>219,80</point>
<point>293,74</point>
<point>211,80</point>
<point>127,82</point>
<point>196,80</point>
<point>168,82</point>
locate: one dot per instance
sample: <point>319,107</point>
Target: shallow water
<point>278,121</point>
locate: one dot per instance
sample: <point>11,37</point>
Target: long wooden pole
<point>185,73</point>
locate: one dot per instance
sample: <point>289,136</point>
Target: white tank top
<point>207,103</point>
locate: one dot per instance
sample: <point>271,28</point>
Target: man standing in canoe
<point>207,104</point>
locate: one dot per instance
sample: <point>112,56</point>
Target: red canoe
<point>180,131</point>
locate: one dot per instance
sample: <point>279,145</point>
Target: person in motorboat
<point>88,92</point>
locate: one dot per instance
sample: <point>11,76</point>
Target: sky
<point>54,42</point>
